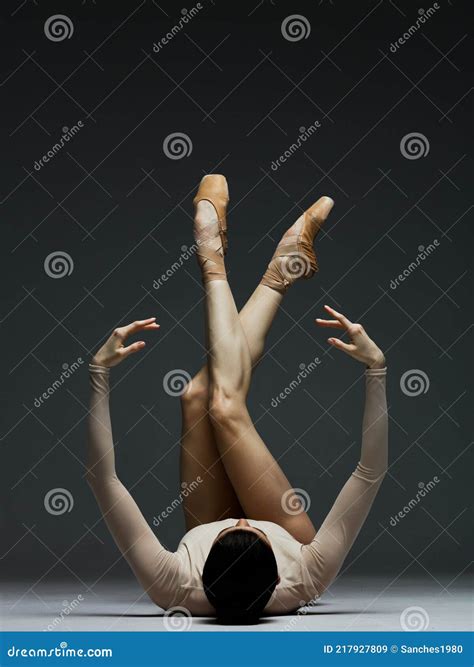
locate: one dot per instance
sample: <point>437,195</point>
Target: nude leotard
<point>306,570</point>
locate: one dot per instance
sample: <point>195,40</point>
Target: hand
<point>113,351</point>
<point>361,347</point>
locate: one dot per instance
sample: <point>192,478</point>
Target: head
<point>240,573</point>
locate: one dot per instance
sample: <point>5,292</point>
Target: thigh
<point>207,492</point>
<point>261,486</point>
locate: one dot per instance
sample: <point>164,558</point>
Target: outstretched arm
<point>325,555</point>
<point>156,568</point>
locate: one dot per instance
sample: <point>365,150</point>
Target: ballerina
<point>243,555</point>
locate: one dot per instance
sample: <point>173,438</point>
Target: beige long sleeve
<point>156,568</point>
<point>325,555</point>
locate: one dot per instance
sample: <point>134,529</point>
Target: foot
<point>317,214</point>
<point>294,257</point>
<point>206,227</point>
<point>210,226</point>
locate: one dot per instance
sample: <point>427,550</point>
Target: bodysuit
<point>173,578</point>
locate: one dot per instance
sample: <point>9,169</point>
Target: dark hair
<point>239,576</point>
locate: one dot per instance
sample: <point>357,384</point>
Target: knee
<point>195,397</point>
<point>225,409</point>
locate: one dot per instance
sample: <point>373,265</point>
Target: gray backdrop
<point>242,82</point>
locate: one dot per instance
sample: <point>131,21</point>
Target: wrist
<point>377,361</point>
<point>96,361</point>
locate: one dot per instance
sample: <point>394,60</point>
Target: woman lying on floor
<point>243,555</point>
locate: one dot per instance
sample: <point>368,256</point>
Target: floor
<point>351,604</point>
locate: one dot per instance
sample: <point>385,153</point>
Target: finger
<point>129,329</point>
<point>340,345</point>
<point>329,323</point>
<point>131,349</point>
<point>339,316</point>
<point>151,327</point>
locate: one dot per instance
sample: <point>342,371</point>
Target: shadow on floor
<point>212,621</point>
<point>111,615</point>
<point>203,620</point>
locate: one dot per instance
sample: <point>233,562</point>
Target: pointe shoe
<point>213,188</point>
<point>294,257</point>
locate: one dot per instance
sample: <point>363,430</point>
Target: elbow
<point>96,480</point>
<point>156,601</point>
<point>161,599</point>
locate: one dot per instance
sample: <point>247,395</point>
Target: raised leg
<point>246,477</point>
<point>214,497</point>
<point>258,481</point>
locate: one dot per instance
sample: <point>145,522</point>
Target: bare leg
<point>214,498</point>
<point>258,481</point>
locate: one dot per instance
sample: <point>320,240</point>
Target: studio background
<point>121,208</point>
